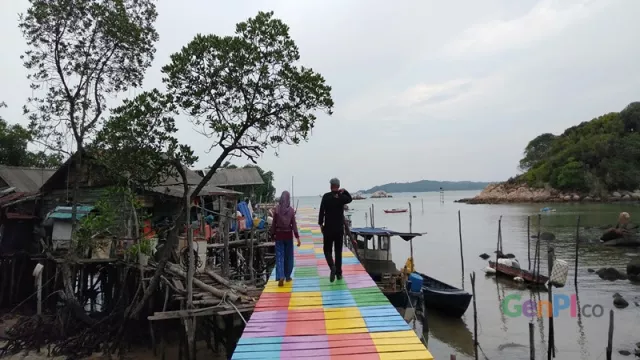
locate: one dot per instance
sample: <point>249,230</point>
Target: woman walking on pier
<point>282,231</point>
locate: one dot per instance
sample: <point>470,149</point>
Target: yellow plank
<point>345,323</point>
<point>393,334</point>
<point>305,302</point>
<point>318,250</point>
<point>400,347</point>
<point>407,355</point>
<point>306,295</point>
<point>343,314</point>
<point>395,341</point>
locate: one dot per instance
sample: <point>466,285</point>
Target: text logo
<point>513,306</point>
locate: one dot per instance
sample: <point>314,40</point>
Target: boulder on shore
<point>619,301</point>
<point>611,274</point>
<point>633,267</point>
<point>520,192</point>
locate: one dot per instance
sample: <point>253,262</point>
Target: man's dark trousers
<point>333,240</point>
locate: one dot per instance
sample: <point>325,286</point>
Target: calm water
<point>501,337</point>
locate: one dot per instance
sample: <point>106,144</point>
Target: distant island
<point>596,160</point>
<point>427,185</point>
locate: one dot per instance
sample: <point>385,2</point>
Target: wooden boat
<point>513,272</point>
<point>623,241</point>
<point>394,211</point>
<point>446,299</point>
<point>372,246</point>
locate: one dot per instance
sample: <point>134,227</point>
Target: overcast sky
<point>440,90</point>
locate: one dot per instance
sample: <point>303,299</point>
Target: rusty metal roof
<point>236,177</point>
<point>25,179</point>
<point>174,187</point>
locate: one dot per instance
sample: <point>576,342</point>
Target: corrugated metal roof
<point>174,187</point>
<point>25,179</point>
<point>64,212</point>
<point>236,177</point>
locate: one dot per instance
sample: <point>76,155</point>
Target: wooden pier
<point>310,317</point>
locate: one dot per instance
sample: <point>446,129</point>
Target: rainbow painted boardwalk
<point>313,318</point>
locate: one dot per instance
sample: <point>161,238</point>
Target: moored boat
<point>372,247</point>
<point>516,271</point>
<point>394,211</point>
<point>446,299</point>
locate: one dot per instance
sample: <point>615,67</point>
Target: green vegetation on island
<point>427,185</point>
<point>596,156</point>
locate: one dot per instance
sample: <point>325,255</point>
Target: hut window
<point>383,242</point>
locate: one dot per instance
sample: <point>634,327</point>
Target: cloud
<point>545,19</point>
<point>430,94</point>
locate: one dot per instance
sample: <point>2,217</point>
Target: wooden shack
<point>243,180</point>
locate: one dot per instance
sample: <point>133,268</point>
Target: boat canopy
<point>369,232</point>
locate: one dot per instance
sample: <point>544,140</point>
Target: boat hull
<point>397,298</point>
<point>395,212</point>
<point>527,276</point>
<point>445,299</point>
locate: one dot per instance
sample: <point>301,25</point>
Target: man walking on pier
<point>331,221</point>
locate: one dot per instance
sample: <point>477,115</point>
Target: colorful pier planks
<point>310,317</point>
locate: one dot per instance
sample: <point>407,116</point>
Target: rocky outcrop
<point>501,193</point>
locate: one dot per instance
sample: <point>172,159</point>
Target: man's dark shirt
<point>331,215</point>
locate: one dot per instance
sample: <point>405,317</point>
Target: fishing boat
<point>504,268</point>
<point>394,211</point>
<point>446,299</point>
<point>372,246</point>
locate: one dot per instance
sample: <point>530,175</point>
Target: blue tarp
<point>64,212</point>
<point>244,210</point>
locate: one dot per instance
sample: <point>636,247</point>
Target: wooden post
<point>461,252</point>
<point>224,227</point>
<point>252,273</point>
<point>37,273</point>
<point>422,200</point>
<point>191,259</point>
<point>366,220</point>
<point>610,335</point>
<point>529,241</point>
<point>575,273</point>
<point>551,350</point>
<point>373,216</point>
<point>475,315</point>
<point>532,346</point>
<point>410,231</point>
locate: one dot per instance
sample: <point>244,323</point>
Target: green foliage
<point>266,191</point>
<point>13,148</point>
<point>536,150</point>
<point>143,246</point>
<point>595,156</point>
<point>79,53</point>
<point>99,226</point>
<point>247,92</point>
<point>139,140</point>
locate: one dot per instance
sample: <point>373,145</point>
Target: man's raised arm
<point>321,213</point>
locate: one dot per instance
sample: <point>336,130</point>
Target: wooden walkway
<point>312,318</point>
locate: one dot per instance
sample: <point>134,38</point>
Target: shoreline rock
<point>506,193</point>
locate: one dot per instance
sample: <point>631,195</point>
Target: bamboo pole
<point>529,241</point>
<point>575,272</point>
<point>532,347</point>
<point>475,315</point>
<point>461,252</point>
<point>551,351</point>
<point>410,231</point>
<point>610,336</point>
